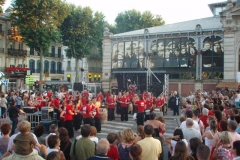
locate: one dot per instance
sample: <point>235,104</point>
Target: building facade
<point>16,59</point>
<point>196,54</point>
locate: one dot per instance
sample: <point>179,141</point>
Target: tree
<point>38,21</point>
<point>2,2</point>
<point>81,31</point>
<point>133,20</point>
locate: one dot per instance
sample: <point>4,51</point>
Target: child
<point>24,141</point>
<point>113,151</point>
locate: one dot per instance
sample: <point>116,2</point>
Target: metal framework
<point>166,86</point>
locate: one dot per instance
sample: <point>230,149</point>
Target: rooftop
<point>207,24</point>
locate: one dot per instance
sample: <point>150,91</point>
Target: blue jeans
<point>14,124</point>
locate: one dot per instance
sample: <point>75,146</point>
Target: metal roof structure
<point>207,24</point>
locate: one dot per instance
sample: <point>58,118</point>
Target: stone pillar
<point>106,63</point>
<point>230,19</point>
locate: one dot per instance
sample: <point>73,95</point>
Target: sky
<point>172,11</point>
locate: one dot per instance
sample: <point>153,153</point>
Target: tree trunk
<point>41,69</point>
<point>77,70</point>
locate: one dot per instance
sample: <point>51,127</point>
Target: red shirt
<point>140,105</point>
<point>124,102</point>
<point>158,103</point>
<point>211,113</point>
<point>57,102</point>
<point>113,153</point>
<point>110,102</point>
<point>204,118</point>
<point>97,112</point>
<point>86,110</point>
<point>68,116</point>
<point>49,94</point>
<point>149,104</point>
<point>84,101</point>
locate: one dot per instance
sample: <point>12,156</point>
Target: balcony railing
<point>51,71</point>
<point>95,69</point>
<point>55,55</point>
<point>17,52</point>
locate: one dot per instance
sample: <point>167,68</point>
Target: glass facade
<point>177,56</point>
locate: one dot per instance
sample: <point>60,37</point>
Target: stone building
<point>196,54</point>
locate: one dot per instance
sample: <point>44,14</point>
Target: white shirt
<point>94,139</point>
<point>49,150</point>
<point>195,125</point>
<point>10,142</point>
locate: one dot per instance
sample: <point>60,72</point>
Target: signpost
<point>29,80</point>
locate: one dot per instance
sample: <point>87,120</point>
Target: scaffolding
<point>166,86</point>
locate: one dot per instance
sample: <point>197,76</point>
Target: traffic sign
<point>29,80</point>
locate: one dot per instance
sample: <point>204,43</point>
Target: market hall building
<point>191,55</point>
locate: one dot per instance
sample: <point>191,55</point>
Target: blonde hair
<point>128,135</point>
<point>24,126</point>
<point>119,136</point>
<point>225,137</point>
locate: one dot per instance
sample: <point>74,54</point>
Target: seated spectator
<point>203,152</point>
<point>5,129</point>
<point>39,131</point>
<point>102,149</point>
<point>113,152</point>
<point>65,144</point>
<point>54,146</point>
<point>135,152</point>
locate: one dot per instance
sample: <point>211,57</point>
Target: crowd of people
<point>209,126</point>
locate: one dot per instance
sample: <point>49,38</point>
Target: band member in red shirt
<point>141,105</point>
<point>78,117</point>
<point>111,106</point>
<point>124,108</point>
<point>149,104</point>
<point>97,117</point>
<point>68,120</point>
<point>119,98</point>
<point>87,114</point>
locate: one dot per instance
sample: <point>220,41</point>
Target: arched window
<point>46,66</point>
<point>53,67</point>
<point>32,65</point>
<point>38,66</point>
<point>59,67</point>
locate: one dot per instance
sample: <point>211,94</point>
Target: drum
<point>147,112</point>
<point>104,115</point>
<point>158,112</point>
<point>130,107</point>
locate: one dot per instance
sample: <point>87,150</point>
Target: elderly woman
<point>127,141</point>
<point>223,147</point>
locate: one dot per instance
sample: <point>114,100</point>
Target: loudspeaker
<point>77,87</point>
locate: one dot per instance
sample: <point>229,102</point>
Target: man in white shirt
<point>189,114</point>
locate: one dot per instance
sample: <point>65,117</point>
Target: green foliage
<point>133,20</point>
<point>2,2</point>
<point>81,31</point>
<point>38,21</point>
